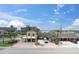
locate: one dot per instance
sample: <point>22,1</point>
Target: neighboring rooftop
<point>67,35</point>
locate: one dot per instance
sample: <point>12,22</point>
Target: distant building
<point>68,36</point>
<point>5,30</point>
<point>45,31</point>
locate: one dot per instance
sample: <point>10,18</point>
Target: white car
<point>45,40</point>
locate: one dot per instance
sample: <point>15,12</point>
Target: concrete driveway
<point>32,45</point>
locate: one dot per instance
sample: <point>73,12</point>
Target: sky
<point>43,16</point>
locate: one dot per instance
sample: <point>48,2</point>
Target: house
<point>68,36</point>
<point>31,36</point>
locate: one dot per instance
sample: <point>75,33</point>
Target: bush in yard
<point>13,41</point>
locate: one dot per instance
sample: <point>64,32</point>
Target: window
<point>28,34</point>
<point>33,34</point>
<point>64,39</point>
<point>0,32</point>
<point>29,40</point>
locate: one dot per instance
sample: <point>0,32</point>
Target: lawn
<point>7,43</point>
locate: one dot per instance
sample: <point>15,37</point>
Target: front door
<point>33,40</point>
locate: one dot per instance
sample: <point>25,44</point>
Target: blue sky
<point>44,16</point>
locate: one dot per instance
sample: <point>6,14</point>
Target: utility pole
<point>59,32</point>
<point>60,29</point>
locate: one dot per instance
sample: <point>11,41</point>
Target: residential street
<point>40,51</point>
<point>50,48</point>
<point>1,48</point>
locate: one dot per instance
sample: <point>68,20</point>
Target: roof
<point>24,29</point>
<point>67,35</point>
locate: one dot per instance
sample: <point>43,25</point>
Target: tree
<point>54,36</point>
<point>11,32</point>
<point>25,29</point>
<point>2,36</point>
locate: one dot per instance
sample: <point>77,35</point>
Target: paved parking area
<point>47,45</point>
<point>30,48</point>
<point>32,45</point>
<point>23,45</point>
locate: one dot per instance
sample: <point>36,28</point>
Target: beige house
<point>31,36</point>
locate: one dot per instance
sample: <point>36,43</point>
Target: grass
<point>7,43</point>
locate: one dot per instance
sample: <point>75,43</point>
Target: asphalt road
<point>1,48</point>
<point>40,51</point>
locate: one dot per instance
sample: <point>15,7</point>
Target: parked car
<point>45,40</point>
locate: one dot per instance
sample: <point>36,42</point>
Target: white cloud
<point>21,10</point>
<point>7,20</point>
<point>16,23</point>
<point>67,27</point>
<point>74,25</point>
<point>3,23</point>
<point>56,11</point>
<point>60,5</point>
<point>53,21</point>
<point>71,27</point>
<point>76,22</point>
<point>70,10</point>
